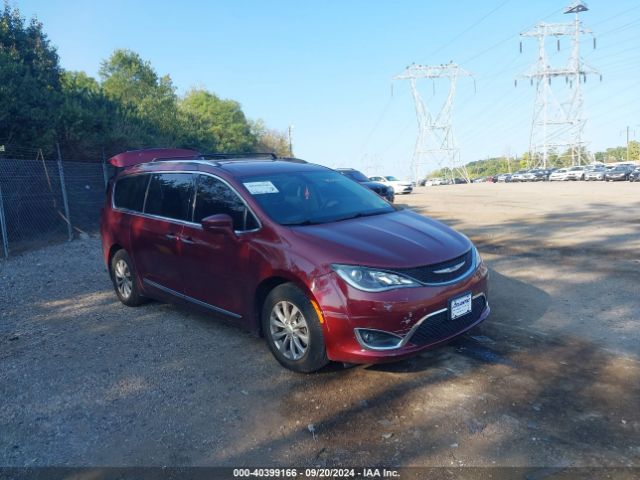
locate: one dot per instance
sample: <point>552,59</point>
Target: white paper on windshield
<point>260,188</point>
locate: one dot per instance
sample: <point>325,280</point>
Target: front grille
<point>427,273</point>
<point>440,327</point>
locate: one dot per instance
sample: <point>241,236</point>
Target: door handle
<point>171,236</point>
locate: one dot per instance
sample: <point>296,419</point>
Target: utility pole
<point>290,141</point>
<point>558,123</point>
<point>627,143</point>
<point>435,147</point>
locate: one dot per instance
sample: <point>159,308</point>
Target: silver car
<point>595,174</point>
<point>559,175</point>
<point>576,173</point>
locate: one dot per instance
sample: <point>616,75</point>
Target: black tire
<point>129,296</point>
<point>315,354</point>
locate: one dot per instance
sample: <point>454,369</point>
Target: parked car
<point>619,173</point>
<point>558,175</point>
<point>291,251</point>
<point>519,176</point>
<point>535,175</point>
<point>439,181</point>
<point>399,186</point>
<point>504,177</point>
<point>575,173</point>
<point>596,173</point>
<point>634,176</point>
<point>384,191</point>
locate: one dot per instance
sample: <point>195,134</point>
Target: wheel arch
<point>112,251</point>
<point>265,287</point>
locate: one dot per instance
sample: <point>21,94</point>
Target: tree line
<point>129,106</point>
<point>508,164</point>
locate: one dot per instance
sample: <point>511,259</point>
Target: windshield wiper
<point>331,220</point>
<point>299,224</point>
<point>360,214</point>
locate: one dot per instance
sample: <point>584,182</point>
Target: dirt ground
<point>550,380</point>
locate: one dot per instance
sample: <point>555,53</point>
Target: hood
<point>399,239</point>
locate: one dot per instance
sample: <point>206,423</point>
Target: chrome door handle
<point>171,236</point>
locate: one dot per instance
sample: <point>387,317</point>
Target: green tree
<point>88,118</point>
<point>220,125</point>
<point>30,90</point>
<point>148,107</point>
<point>270,140</point>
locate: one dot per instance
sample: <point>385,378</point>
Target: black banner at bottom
<point>307,473</point>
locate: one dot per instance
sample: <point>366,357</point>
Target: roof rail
<point>217,156</point>
<point>230,156</point>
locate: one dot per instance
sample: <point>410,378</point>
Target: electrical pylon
<point>558,123</point>
<point>435,146</point>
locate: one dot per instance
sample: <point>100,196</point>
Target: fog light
<point>377,339</point>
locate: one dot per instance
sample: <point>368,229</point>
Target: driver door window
<point>215,197</point>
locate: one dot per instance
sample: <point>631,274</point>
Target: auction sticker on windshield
<point>259,188</point>
<point>460,306</point>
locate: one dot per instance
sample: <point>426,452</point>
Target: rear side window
<point>129,192</point>
<point>214,197</point>
<point>170,195</point>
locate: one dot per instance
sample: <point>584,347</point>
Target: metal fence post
<point>105,174</point>
<point>3,227</point>
<point>64,193</point>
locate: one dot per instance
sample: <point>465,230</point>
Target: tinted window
<point>214,197</point>
<point>129,192</point>
<point>355,175</point>
<point>170,195</point>
<point>323,196</point>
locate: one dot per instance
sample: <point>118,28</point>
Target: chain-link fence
<point>44,201</point>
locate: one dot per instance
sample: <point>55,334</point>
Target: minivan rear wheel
<point>292,329</point>
<point>124,279</point>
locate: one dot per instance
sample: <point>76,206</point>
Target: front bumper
<point>420,316</point>
<point>403,189</point>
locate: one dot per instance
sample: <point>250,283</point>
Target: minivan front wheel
<point>123,276</point>
<point>292,329</point>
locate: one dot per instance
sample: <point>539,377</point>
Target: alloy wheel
<point>289,330</point>
<point>122,274</point>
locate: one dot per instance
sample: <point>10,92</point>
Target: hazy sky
<point>326,66</point>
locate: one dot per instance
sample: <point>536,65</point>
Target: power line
<point>469,28</point>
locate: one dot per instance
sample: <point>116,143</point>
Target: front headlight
<point>477,259</point>
<point>372,280</point>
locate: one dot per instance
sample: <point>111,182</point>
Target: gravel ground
<point>552,379</point>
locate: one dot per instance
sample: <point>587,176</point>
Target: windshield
<point>355,175</point>
<point>392,179</point>
<point>305,198</point>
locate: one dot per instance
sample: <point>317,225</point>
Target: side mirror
<point>219,223</point>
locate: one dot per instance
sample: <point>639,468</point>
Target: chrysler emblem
<point>450,269</point>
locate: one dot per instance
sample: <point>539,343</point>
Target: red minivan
<point>319,265</point>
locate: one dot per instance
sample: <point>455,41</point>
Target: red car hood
<point>398,239</point>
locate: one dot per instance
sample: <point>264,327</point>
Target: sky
<point>326,67</point>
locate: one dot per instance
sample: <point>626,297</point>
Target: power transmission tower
<point>558,124</point>
<point>435,146</point>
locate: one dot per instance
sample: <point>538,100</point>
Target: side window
<point>129,192</point>
<point>214,197</point>
<point>170,195</point>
